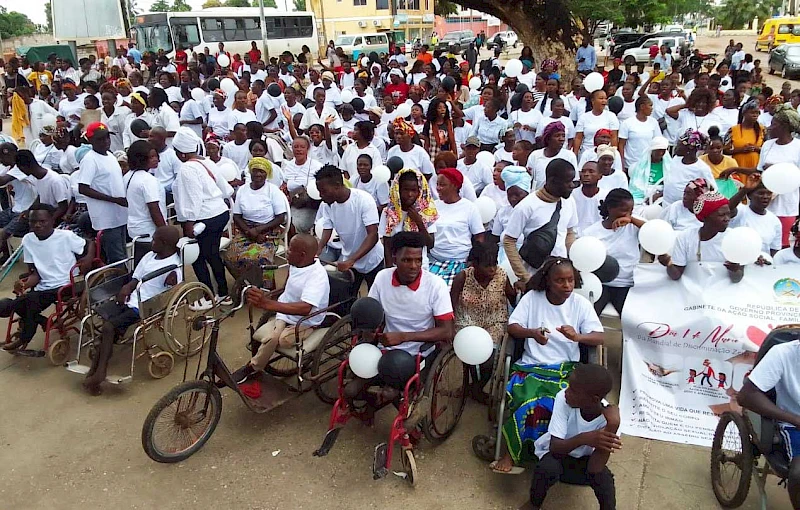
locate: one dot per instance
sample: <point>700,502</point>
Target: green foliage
<point>48,12</point>
<point>238,3</point>
<point>444,7</point>
<point>299,5</point>
<point>13,23</point>
<point>181,6</point>
<point>736,14</point>
<point>589,13</point>
<point>160,6</point>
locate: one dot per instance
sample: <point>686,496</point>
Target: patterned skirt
<point>244,253</point>
<point>447,269</point>
<point>531,393</point>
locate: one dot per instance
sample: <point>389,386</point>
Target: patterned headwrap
<point>221,93</point>
<point>138,97</point>
<point>774,100</point>
<point>600,132</point>
<point>788,115</point>
<point>123,82</point>
<point>262,164</point>
<point>551,62</point>
<point>698,186</point>
<point>424,204</point>
<point>751,104</point>
<point>550,130</point>
<point>707,203</point>
<point>401,124</point>
<point>693,139</point>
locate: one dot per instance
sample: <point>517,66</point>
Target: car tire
<point>771,69</point>
<point>515,44</point>
<point>784,74</point>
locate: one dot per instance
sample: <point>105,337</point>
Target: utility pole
<point>264,49</point>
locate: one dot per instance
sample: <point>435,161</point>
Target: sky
<point>34,9</point>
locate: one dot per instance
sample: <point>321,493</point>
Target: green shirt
<point>656,172</point>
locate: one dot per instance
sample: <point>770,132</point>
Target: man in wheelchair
<point>307,290</point>
<point>123,313</point>
<point>418,314</point>
<point>50,255</point>
<point>778,370</point>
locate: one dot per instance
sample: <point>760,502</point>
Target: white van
<point>354,46</point>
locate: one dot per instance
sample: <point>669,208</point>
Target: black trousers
<point>359,277</point>
<point>29,308</point>
<point>614,295</point>
<point>552,468</point>
<point>209,254</point>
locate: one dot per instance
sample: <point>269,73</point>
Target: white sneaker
<point>223,300</point>
<point>201,305</point>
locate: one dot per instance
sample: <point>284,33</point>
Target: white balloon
<point>657,237</point>
<point>223,60</point>
<point>364,360</point>
<point>587,254</point>
<point>513,68</point>
<point>593,81</point>
<point>198,94</point>
<point>347,96</point>
<point>228,85</point>
<point>475,83</point>
<point>592,287</point>
<point>652,212</point>
<point>312,191</point>
<point>486,159</point>
<point>227,172</point>
<point>404,110</point>
<point>473,345</point>
<point>191,250</point>
<point>741,245</point>
<point>381,173</point>
<point>365,61</point>
<point>781,178</point>
<point>486,208</point>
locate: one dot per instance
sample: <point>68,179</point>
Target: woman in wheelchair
<point>307,290</point>
<point>258,213</point>
<point>50,255</point>
<point>778,370</point>
<point>552,321</point>
<point>120,315</point>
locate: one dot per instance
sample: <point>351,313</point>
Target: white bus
<point>235,27</point>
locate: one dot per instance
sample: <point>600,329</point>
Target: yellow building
<point>410,18</point>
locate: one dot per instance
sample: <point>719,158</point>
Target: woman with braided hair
<point>686,166</point>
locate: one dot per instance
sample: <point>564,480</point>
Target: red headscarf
<point>707,203</point>
<point>453,175</point>
<point>601,132</point>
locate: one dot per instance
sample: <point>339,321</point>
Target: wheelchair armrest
<point>322,311</point>
<point>101,268</point>
<point>158,272</point>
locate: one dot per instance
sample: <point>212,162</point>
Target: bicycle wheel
<point>181,421</point>
<point>179,336</point>
<point>731,460</point>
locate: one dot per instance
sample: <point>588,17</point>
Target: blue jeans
<point>112,244</point>
<point>209,253</point>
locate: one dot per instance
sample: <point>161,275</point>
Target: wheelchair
<point>167,312</point>
<point>742,439</point>
<point>70,307</point>
<point>441,377</point>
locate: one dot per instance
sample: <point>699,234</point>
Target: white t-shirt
<point>587,208</point>
<point>141,189</point>
<point>309,285</point>
<point>680,217</point>
<point>239,154</point>
<point>532,213</point>
<point>467,189</point>
<point>589,124</point>
<point>243,117</point>
<point>531,118</point>
<point>680,174</point>
<point>167,169</point>
<point>311,117</point>
<point>350,220</point>
<point>349,159</point>
<point>52,257</point>
<point>478,174</point>
<point>638,136</point>
<point>685,249</point>
<point>221,122</point>
<point>688,120</point>
<point>24,190</point>
<point>535,311</point>
<point>259,205</point>
<point>537,163</point>
<point>157,285</point>
<point>297,176</point>
<point>498,196</point>
<point>400,227</point>
<point>785,256</point>
<point>767,225</point>
<point>378,190</point>
<point>566,423</point>
<point>628,110</point>
<point>456,225</point>
<point>417,158</point>
<point>430,297</point>
<point>623,245</point>
<point>191,110</point>
<point>724,118</point>
<point>778,370</point>
<point>102,173</point>
<point>52,189</point>
<point>569,127</point>
<point>67,109</point>
<point>771,153</point>
<point>267,103</point>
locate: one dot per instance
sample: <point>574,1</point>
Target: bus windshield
<point>345,40</point>
<point>153,38</point>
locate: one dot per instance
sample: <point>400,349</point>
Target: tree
<point>644,12</point>
<point>13,23</point>
<point>590,13</point>
<point>181,6</point>
<point>211,3</point>
<point>237,3</point>
<point>160,6</point>
<point>736,14</point>
<point>267,3</point>
<point>48,12</point>
<point>299,5</point>
<point>445,8</point>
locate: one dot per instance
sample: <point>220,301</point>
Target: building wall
<point>476,23</point>
<point>339,17</point>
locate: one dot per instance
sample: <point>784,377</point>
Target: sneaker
<point>201,305</point>
<point>223,300</point>
<point>244,374</point>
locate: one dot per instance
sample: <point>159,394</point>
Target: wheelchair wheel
<point>180,338</point>
<point>333,349</point>
<point>446,387</point>
<point>161,365</point>
<point>409,466</point>
<point>182,421</point>
<point>58,352</point>
<point>731,460</point>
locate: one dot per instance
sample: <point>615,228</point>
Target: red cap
<point>92,128</point>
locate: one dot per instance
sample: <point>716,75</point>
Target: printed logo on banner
<point>787,291</point>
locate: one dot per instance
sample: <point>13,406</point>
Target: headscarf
<point>453,175</point>
<point>707,203</point>
<point>517,176</point>
<point>527,63</point>
<point>550,130</point>
<point>424,204</point>
<point>186,141</point>
<point>221,93</point>
<point>68,84</point>
<point>698,186</point>
<point>138,97</point>
<point>606,150</point>
<point>773,100</point>
<point>121,156</point>
<point>123,82</point>
<point>600,132</point>
<point>262,164</point>
<point>211,139</point>
<point>750,104</point>
<point>551,62</point>
<point>697,140</point>
<point>401,124</point>
<point>788,115</point>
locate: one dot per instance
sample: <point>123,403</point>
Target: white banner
<point>688,344</point>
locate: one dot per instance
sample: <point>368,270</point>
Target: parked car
<point>455,41</point>
<point>641,54</point>
<point>621,48</point>
<point>786,59</point>
<point>623,36</point>
<point>509,39</point>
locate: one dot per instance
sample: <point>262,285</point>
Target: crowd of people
<point>220,139</point>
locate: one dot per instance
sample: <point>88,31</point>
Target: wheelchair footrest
<point>379,469</point>
<point>327,442</point>
<point>75,367</point>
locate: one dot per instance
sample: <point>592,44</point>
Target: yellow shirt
<point>38,79</point>
<point>726,163</point>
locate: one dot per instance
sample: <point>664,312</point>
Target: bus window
<point>153,38</point>
<point>785,29</point>
<point>212,30</point>
<point>357,42</point>
<point>185,32</point>
<point>252,29</point>
<point>234,29</point>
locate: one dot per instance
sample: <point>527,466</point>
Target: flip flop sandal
<point>515,470</point>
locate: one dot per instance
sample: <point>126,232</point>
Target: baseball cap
<point>93,128</point>
<point>472,140</point>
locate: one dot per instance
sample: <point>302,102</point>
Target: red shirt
<point>399,92</point>
<point>255,56</point>
<point>180,61</point>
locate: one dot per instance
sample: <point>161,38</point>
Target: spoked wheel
<point>333,349</point>
<point>731,460</point>
<point>180,338</point>
<point>161,365</point>
<point>58,352</point>
<point>182,421</point>
<point>446,387</point>
<point>409,466</point>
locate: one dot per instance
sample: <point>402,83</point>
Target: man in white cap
<point>333,98</point>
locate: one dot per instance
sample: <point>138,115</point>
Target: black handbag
<point>540,243</point>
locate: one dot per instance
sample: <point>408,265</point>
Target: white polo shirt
<point>429,295</point>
